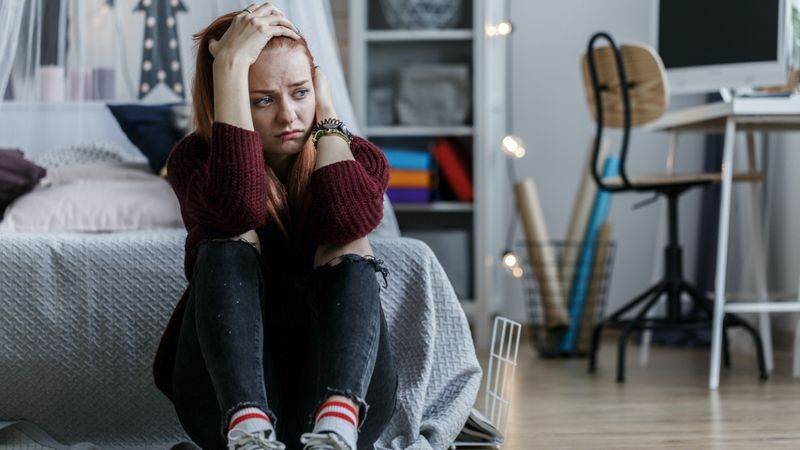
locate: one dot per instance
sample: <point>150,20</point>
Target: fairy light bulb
<point>504,28</point>
<point>513,146</point>
<point>491,29</point>
<point>510,260</point>
<point>517,272</point>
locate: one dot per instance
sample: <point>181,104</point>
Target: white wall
<point>784,220</point>
<point>551,116</point>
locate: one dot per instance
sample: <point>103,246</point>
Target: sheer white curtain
<point>11,13</point>
<point>84,51</point>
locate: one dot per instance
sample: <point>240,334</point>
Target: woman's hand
<point>249,34</point>
<point>322,90</point>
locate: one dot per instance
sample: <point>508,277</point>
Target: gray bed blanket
<point>82,314</point>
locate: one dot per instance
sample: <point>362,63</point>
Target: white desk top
<point>766,113</point>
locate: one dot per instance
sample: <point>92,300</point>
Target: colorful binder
<point>410,179</point>
<point>409,195</point>
<point>455,169</point>
<point>408,159</point>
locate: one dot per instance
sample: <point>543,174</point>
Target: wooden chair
<point>626,87</point>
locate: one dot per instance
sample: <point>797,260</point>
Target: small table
<point>748,115</point>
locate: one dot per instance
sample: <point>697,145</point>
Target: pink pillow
<point>95,197</point>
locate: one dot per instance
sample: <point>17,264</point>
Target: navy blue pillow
<point>151,128</point>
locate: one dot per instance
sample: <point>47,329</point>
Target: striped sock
<point>339,417</point>
<point>251,420</point>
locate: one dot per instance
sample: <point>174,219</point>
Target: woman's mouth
<point>289,135</point>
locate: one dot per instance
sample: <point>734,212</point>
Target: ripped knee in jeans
<point>378,264</point>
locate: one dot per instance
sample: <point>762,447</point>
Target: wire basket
<point>421,14</point>
<point>583,274</point>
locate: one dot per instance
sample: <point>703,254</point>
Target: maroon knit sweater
<point>221,189</point>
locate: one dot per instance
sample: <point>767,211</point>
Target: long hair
<point>287,206</point>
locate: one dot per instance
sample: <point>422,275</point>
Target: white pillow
<point>95,197</point>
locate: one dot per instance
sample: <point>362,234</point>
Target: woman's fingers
<point>282,31</point>
<point>275,26</point>
<point>266,9</point>
<point>283,22</point>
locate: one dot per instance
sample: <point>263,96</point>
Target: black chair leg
<point>657,289</point>
<point>762,363</point>
<point>598,330</point>
<point>726,351</point>
<point>707,305</point>
<point>623,339</point>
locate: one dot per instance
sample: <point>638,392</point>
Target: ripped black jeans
<point>246,341</point>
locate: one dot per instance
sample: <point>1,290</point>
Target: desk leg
<point>722,252</point>
<point>764,326</point>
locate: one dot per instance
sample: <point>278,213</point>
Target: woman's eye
<point>302,93</point>
<point>263,101</point>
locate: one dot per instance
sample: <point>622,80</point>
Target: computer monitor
<point>711,44</point>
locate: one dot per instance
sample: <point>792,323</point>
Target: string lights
<point>511,145</point>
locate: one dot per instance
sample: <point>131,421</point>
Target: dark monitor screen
<point>711,32</point>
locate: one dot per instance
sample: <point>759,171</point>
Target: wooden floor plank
<point>667,404</point>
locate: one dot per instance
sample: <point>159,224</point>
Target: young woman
<point>280,339</point>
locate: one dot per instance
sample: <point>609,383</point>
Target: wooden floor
<point>667,404</point>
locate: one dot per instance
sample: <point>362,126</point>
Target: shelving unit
<point>376,53</point>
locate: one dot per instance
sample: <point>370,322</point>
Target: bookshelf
<point>466,237</point>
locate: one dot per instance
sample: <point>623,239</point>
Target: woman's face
<point>282,100</point>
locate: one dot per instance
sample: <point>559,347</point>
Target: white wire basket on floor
<point>498,390</point>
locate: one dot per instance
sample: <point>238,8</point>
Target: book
<point>479,429</point>
<point>580,285</point>
<point>409,159</point>
<point>455,168</point>
<point>409,195</point>
<point>541,253</point>
<point>410,179</point>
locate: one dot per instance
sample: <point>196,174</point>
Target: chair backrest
<point>625,86</point>
<point>647,85</point>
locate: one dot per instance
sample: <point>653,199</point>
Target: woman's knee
<point>228,255</point>
<point>331,255</point>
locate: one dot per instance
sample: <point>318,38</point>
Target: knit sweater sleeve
<point>347,196</point>
<point>222,186</point>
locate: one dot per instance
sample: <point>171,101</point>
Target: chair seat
<point>683,179</point>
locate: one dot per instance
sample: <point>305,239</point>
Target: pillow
<point>95,197</point>
<point>85,153</point>
<point>17,176</point>
<point>153,129</point>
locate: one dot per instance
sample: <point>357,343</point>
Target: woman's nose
<point>287,113</point>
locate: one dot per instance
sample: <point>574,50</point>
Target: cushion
<point>17,176</point>
<point>85,153</point>
<point>153,129</point>
<point>96,197</point>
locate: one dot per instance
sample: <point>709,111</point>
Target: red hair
<point>287,206</point>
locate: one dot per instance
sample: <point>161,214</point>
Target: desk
<point>749,115</point>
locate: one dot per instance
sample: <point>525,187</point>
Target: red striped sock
<point>251,420</point>
<point>338,417</point>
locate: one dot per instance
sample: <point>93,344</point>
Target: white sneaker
<point>323,441</point>
<point>243,440</point>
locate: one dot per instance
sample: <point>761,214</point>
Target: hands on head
<point>250,32</point>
